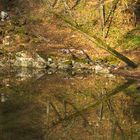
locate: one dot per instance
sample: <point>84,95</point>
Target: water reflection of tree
<point>53,114</point>
<point>81,113</point>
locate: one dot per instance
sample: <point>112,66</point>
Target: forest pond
<point>38,105</point>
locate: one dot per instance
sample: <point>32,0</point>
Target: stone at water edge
<point>101,69</point>
<point>63,66</point>
<point>24,73</point>
<point>6,41</point>
<point>53,66</point>
<point>49,61</point>
<point>3,15</point>
<point>27,59</point>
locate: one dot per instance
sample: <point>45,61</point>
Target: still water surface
<point>37,106</point>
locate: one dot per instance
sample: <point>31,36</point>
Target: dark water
<point>38,106</point>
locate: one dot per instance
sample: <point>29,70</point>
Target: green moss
<point>81,61</point>
<point>20,30</point>
<point>131,39</point>
<point>69,62</point>
<point>111,59</point>
<point>136,40</point>
<point>34,18</point>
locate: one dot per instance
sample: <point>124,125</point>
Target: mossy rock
<point>111,59</point>
<point>84,61</point>
<point>43,55</point>
<point>69,62</point>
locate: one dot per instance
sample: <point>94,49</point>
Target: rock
<point>111,76</point>
<point>65,51</point>
<point>3,97</point>
<point>49,61</point>
<point>31,60</point>
<point>53,66</point>
<point>6,41</point>
<point>4,15</point>
<point>101,69</point>
<point>79,65</point>
<point>23,74</point>
<point>64,65</point>
<point>1,64</point>
<point>49,72</point>
<point>98,68</point>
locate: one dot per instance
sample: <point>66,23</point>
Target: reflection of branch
<point>102,106</point>
<point>55,109</point>
<point>48,111</point>
<point>115,118</point>
<point>101,111</point>
<point>73,106</point>
<point>98,102</point>
<point>113,131</point>
<point>65,108</point>
<point>76,109</point>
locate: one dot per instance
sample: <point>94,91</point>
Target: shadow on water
<point>38,106</point>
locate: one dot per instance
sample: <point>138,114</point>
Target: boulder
<point>3,15</point>
<point>65,65</point>
<point>101,69</point>
<point>28,59</point>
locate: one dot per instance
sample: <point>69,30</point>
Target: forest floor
<point>39,32</point>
